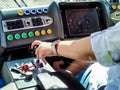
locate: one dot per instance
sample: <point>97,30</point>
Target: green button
<point>24,35</point>
<point>10,37</point>
<point>17,36</point>
<point>31,34</point>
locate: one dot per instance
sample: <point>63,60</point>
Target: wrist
<point>54,47</point>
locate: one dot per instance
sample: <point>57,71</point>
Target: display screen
<point>82,21</point>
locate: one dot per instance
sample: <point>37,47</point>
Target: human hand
<point>57,65</point>
<point>43,49</point>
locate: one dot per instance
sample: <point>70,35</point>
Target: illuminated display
<point>82,21</point>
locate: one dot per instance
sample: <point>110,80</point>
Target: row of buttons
<point>115,6</point>
<point>17,36</point>
<point>33,11</point>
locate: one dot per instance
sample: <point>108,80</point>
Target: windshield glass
<point>4,4</point>
<point>81,0</point>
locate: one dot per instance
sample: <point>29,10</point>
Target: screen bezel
<point>100,10</point>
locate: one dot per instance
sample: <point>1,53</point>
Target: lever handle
<point>15,70</point>
<point>35,47</point>
<point>33,50</point>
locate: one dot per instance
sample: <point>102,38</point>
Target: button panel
<point>21,26</point>
<point>24,35</point>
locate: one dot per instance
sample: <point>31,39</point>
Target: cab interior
<point>23,21</point>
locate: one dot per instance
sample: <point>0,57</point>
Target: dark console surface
<point>29,74</point>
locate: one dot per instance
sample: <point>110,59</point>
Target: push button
<point>10,37</point>
<point>30,34</point>
<point>49,31</point>
<point>20,12</point>
<point>118,6</point>
<point>33,11</point>
<point>17,36</point>
<point>114,7</point>
<point>45,10</point>
<point>24,35</point>
<point>27,12</point>
<point>39,11</point>
<point>43,32</point>
<point>37,33</point>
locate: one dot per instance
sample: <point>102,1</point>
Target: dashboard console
<point>21,26</point>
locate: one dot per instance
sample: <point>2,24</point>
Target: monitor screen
<point>82,21</point>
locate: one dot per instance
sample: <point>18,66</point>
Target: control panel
<point>23,72</point>
<point>19,69</point>
<point>32,74</point>
<point>21,26</point>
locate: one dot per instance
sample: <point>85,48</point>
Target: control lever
<point>35,47</point>
<point>15,70</point>
<point>28,75</point>
<point>37,63</point>
<point>33,50</point>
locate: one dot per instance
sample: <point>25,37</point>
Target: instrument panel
<point>21,26</point>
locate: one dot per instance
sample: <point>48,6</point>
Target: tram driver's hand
<point>44,49</point>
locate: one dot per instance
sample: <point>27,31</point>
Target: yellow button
<point>43,32</point>
<point>114,6</point>
<point>37,33</point>
<point>49,31</point>
<point>20,12</point>
<point>118,6</point>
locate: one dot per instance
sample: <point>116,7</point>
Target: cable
<point>24,3</point>
<point>17,3</point>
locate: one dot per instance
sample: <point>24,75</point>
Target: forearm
<point>76,49</point>
<point>78,65</point>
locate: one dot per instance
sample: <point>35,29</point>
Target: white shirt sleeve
<point>106,45</point>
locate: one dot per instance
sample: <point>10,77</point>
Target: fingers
<point>57,65</point>
<point>40,54</point>
<point>43,50</point>
<point>37,42</point>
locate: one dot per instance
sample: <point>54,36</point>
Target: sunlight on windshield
<point>5,4</point>
<point>79,0</point>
